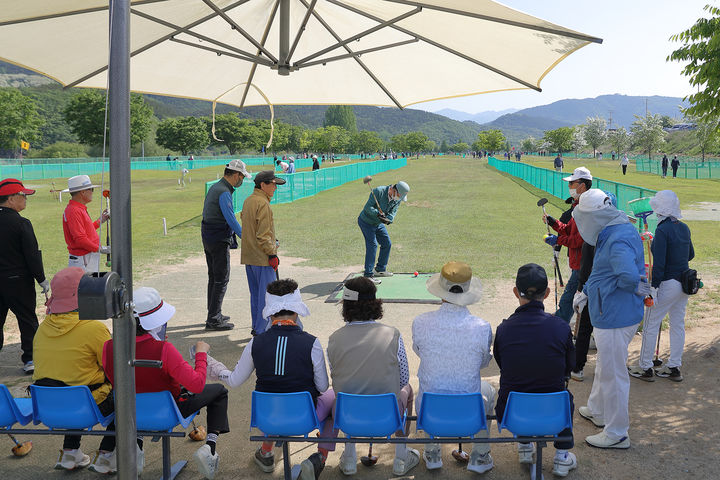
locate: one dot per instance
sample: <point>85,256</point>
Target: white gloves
<point>104,216</point>
<point>643,289</point>
<point>45,286</point>
<point>579,301</point>
<point>215,368</point>
<point>104,250</point>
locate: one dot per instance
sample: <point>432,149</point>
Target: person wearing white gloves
<point>615,291</point>
<point>81,236</point>
<point>672,249</point>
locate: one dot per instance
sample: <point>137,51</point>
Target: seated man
<point>186,384</point>
<point>68,351</point>
<point>535,353</point>
<point>368,358</point>
<point>449,337</point>
<point>298,367</point>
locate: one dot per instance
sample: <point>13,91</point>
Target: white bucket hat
<point>150,308</point>
<point>79,183</point>
<point>666,204</point>
<point>455,284</point>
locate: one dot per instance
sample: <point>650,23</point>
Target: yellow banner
<point>24,145</point>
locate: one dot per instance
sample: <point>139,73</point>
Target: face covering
<point>590,224</point>
<point>158,333</point>
<point>573,193</point>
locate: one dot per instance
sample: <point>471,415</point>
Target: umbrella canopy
<point>253,52</point>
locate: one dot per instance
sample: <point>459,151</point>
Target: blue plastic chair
<point>158,412</point>
<point>283,414</point>
<point>368,415</point>
<point>536,414</point>
<point>14,410</point>
<point>71,408</point>
<point>452,415</point>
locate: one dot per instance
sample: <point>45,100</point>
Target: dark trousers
<point>582,342</point>
<point>565,306</point>
<point>217,256</point>
<point>500,410</point>
<point>624,167</point>
<point>17,294</point>
<point>106,407</point>
<point>215,398</point>
<point>674,171</point>
<point>664,170</point>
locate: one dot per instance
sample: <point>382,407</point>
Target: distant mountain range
<point>482,117</point>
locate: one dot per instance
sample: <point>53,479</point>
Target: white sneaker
<point>596,419</point>
<point>382,274</point>
<point>348,463</point>
<point>104,462</point>
<point>373,279</point>
<point>577,376</point>
<point>29,368</point>
<point>207,463</point>
<point>402,467</point>
<point>601,440</point>
<point>592,345</point>
<point>525,453</point>
<point>72,459</point>
<point>433,456</point>
<point>480,463</point>
<point>561,467</point>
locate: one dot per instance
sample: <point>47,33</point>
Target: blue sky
<point>630,61</point>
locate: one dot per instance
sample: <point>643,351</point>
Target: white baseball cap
<point>238,166</point>
<point>580,172</point>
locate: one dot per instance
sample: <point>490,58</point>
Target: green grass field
<point>458,209</point>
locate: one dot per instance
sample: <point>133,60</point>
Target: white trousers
<point>673,301</point>
<point>90,262</point>
<point>610,392</point>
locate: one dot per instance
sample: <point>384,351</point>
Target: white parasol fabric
<point>370,52</point>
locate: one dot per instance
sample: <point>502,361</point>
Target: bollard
<point>164,227</point>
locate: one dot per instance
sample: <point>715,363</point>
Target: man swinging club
<point>379,210</point>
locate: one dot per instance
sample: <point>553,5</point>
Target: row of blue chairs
<point>72,410</point>
<point>530,417</point>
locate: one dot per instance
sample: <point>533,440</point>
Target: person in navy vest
<point>285,359</point>
<point>535,353</point>
<point>187,384</point>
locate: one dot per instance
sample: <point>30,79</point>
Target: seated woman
<point>368,357</point>
<point>187,384</point>
<point>285,359</point>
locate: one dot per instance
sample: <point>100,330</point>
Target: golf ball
<point>415,273</point>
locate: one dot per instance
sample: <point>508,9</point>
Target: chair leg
<point>287,469</point>
<point>538,461</point>
<point>170,472</point>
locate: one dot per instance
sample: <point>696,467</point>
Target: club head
<point>368,461</point>
<point>106,193</point>
<point>542,202</point>
<point>367,179</point>
<point>461,456</point>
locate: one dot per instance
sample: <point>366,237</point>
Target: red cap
<point>11,186</point>
<point>64,288</point>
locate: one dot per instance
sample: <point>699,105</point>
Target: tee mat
<point>400,288</point>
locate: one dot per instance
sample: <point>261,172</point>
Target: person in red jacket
<point>578,183</point>
<point>187,384</point>
<point>81,237</point>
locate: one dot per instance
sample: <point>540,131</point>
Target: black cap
<point>267,176</point>
<point>531,279</point>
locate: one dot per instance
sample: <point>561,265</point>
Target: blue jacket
<point>617,268</point>
<point>672,249</point>
<point>370,211</point>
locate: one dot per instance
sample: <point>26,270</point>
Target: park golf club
<point>367,181</point>
<point>106,194</point>
<point>460,455</point>
<point>370,459</point>
<point>541,203</point>
<point>20,449</point>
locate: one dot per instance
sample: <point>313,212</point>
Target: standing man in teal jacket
<point>380,210</point>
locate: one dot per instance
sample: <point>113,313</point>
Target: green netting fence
<point>65,168</point>
<point>552,182</point>
<point>306,184</point>
<point>694,169</point>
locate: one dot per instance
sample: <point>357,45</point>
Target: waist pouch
<point>690,282</point>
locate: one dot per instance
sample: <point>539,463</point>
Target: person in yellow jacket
<point>68,351</point>
<point>258,250</point>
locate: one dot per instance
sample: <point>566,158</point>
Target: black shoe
<point>671,373</point>
<point>219,325</point>
<point>224,318</point>
<point>253,332</point>
<point>266,462</point>
<point>311,468</point>
<point>646,375</point>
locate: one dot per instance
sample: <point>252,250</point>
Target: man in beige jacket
<point>258,244</point>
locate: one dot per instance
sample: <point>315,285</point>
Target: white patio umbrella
<point>370,52</point>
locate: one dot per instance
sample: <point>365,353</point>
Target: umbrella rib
<point>186,30</point>
<point>155,42</point>
<point>440,46</point>
<point>251,75</point>
<point>69,14</point>
<point>360,52</point>
<point>342,43</point>
<point>554,31</point>
<point>357,59</point>
<point>264,61</point>
<point>300,31</point>
<point>240,30</point>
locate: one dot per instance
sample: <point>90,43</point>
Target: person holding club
<point>453,346</point>
<point>615,291</point>
<point>379,211</point>
<point>81,237</point>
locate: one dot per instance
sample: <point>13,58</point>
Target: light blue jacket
<point>369,213</point>
<point>616,272</point>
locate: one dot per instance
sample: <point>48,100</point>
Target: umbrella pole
<point>124,324</point>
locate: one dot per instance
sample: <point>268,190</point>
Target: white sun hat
<point>455,284</point>
<point>150,308</point>
<point>79,183</point>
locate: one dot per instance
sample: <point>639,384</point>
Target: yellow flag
<point>24,145</point>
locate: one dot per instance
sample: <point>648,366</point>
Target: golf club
<point>460,455</point>
<point>20,449</point>
<point>556,250</point>
<point>541,203</point>
<point>198,434</point>
<point>370,459</point>
<point>367,181</point>
<point>106,194</point>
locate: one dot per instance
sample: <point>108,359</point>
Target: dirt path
<point>675,428</point>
